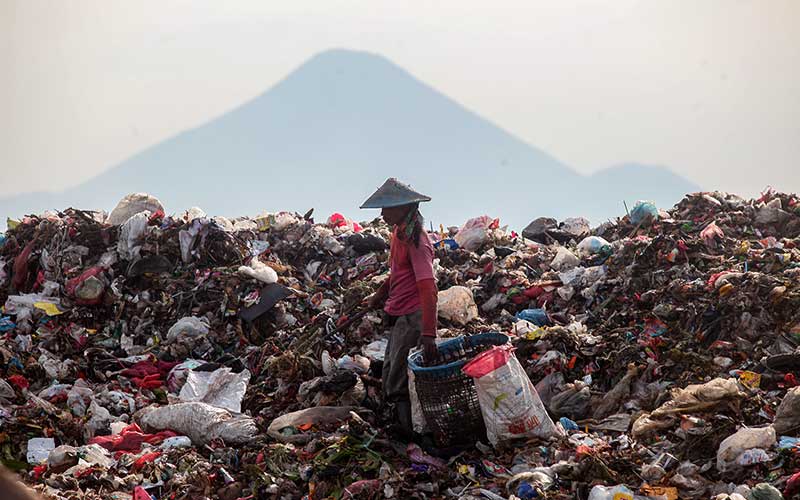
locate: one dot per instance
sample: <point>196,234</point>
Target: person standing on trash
<point>408,295</point>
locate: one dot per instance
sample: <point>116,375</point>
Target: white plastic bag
<point>260,271</point>
<point>188,327</point>
<point>177,376</point>
<point>376,350</point>
<point>592,245</point>
<point>509,402</point>
<point>131,236</point>
<point>457,304</point>
<point>735,445</point>
<point>474,233</point>
<point>619,492</point>
<point>564,260</point>
<point>220,388</point>
<point>418,421</point>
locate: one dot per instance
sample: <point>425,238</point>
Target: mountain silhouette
<point>333,130</point>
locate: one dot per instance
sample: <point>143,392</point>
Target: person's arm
<point>422,262</point>
<point>428,296</point>
<point>13,489</point>
<point>381,294</point>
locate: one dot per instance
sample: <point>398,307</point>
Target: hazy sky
<point>710,89</point>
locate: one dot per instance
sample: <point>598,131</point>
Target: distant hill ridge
<point>333,130</point>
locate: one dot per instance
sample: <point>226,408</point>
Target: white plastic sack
<point>132,205</point>
<point>743,440</point>
<point>510,405</point>
<point>260,271</point>
<point>201,422</point>
<point>457,304</point>
<point>220,388</point>
<point>131,236</point>
<point>474,233</point>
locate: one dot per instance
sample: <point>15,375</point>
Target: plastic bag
<point>376,351</point>
<point>201,422</point>
<point>733,446</point>
<point>474,232</point>
<point>132,205</point>
<point>593,245</point>
<point>509,403</point>
<point>356,363</point>
<point>576,226</point>
<point>457,304</point>
<point>564,260</point>
<point>787,417</point>
<point>536,316</point>
<point>177,376</point>
<point>131,235</point>
<point>418,422</point>
<point>194,213</point>
<point>572,402</point>
<point>220,388</point>
<point>187,327</point>
<point>619,492</point>
<point>644,211</point>
<point>260,271</point>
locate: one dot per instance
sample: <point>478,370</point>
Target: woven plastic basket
<point>447,396</point>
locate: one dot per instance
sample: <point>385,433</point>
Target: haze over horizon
<point>706,90</point>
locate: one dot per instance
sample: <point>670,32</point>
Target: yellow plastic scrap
<point>49,308</point>
<point>751,380</point>
<point>534,334</point>
<point>725,289</point>
<point>11,223</point>
<point>264,222</point>
<point>744,248</point>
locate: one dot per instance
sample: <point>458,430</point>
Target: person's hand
<point>372,302</point>
<point>429,350</point>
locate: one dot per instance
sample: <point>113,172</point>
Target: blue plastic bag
<point>568,425</point>
<point>643,210</point>
<point>536,316</point>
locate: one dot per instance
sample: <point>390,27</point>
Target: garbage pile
<point>189,356</point>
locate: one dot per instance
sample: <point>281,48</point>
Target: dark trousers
<point>404,336</point>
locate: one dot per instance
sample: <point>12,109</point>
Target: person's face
<point>394,215</point>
